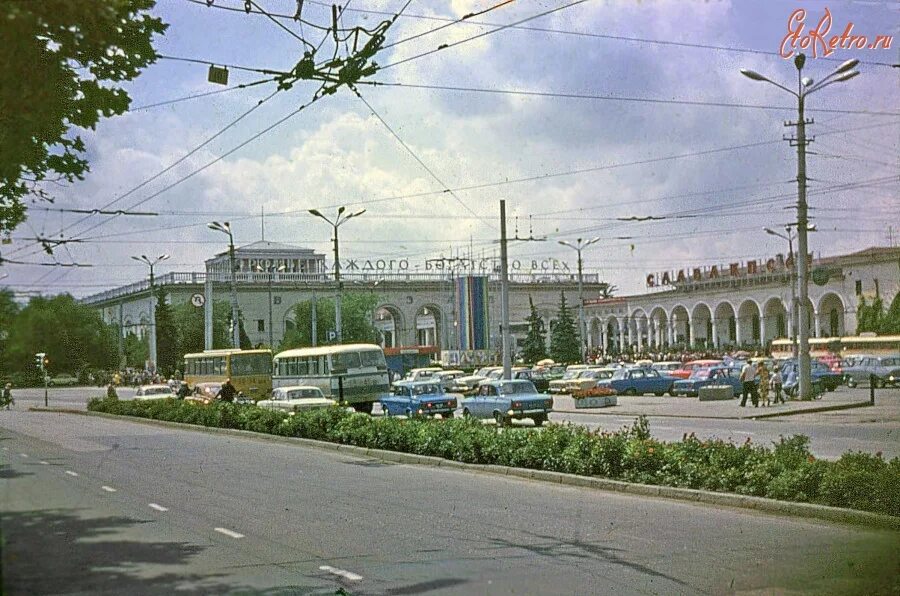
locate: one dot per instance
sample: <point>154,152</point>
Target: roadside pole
<point>504,295</point>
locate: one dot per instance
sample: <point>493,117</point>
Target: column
<point>604,343</point>
<point>671,329</point>
<point>762,330</point>
<point>738,337</point>
<point>817,316</point>
<point>208,313</point>
<point>622,323</point>
<point>630,333</point>
<point>715,334</point>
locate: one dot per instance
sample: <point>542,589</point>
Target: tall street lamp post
<point>578,246</point>
<point>152,263</point>
<point>338,222</point>
<point>225,228</point>
<point>271,276</point>
<point>805,87</point>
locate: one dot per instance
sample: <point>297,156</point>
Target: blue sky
<point>337,152</point>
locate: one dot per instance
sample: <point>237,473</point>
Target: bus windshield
<point>250,364</point>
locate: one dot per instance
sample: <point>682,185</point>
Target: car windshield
<point>621,373</point>
<point>303,393</point>
<point>890,362</point>
<point>157,390</point>
<point>426,389</point>
<point>372,358</point>
<point>587,374</point>
<point>701,374</point>
<point>517,388</point>
<point>483,372</point>
<point>571,374</point>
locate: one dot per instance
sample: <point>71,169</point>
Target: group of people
<point>757,383</point>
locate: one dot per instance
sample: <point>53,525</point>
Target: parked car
<point>418,374</point>
<point>204,392</point>
<point>588,378</point>
<point>819,371</point>
<point>507,400</point>
<point>790,379</point>
<point>154,392</point>
<point>572,372</point>
<point>704,377</point>
<point>296,398</point>
<point>469,383</point>
<point>638,381</point>
<point>666,367</point>
<point>688,367</point>
<point>422,398</point>
<point>885,368</point>
<point>447,378</point>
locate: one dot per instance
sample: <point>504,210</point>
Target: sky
<point>550,115</point>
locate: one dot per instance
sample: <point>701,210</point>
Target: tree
<point>891,321</point>
<point>8,311</point>
<point>534,347</point>
<point>189,327</point>
<point>356,321</point>
<point>608,290</point>
<point>62,60</point>
<point>71,334</point>
<point>243,338</point>
<point>137,350</point>
<point>167,356</point>
<point>564,343</point>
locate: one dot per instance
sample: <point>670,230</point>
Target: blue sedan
<point>638,381</point>
<point>703,377</point>
<point>422,398</point>
<point>507,400</point>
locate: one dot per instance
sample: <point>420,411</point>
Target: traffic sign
<point>198,300</point>
<point>332,335</point>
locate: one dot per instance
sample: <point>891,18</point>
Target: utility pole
<point>578,246</point>
<point>152,263</point>
<point>504,295</point>
<point>805,86</point>
<point>225,228</point>
<point>314,330</point>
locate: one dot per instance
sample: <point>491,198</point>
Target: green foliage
<point>356,321</point>
<point>787,471</point>
<point>565,345</point>
<point>137,350</point>
<point>872,318</point>
<point>243,339</point>
<point>189,327</point>
<point>62,60</point>
<point>534,348</point>
<point>8,311</point>
<point>72,335</point>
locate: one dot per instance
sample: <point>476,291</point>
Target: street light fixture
<point>338,222</point>
<point>279,269</point>
<point>578,246</point>
<point>225,228</point>
<point>152,263</point>
<point>805,87</point>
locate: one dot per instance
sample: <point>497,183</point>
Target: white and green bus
<point>353,373</point>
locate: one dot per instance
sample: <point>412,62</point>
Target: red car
<point>688,367</point>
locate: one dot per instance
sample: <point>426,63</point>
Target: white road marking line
<point>6,449</point>
<point>108,489</point>
<point>71,473</point>
<point>348,575</point>
<point>23,455</point>
<point>158,507</point>
<point>228,532</point>
<point>44,463</point>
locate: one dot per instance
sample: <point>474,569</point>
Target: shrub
<point>787,471</point>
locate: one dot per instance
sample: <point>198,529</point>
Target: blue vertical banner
<point>472,304</point>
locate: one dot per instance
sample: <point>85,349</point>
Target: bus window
<point>344,361</point>
<point>372,358</point>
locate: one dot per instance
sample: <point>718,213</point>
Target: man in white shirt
<point>748,384</point>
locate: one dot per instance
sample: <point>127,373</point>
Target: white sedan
<point>292,399</point>
<point>154,392</point>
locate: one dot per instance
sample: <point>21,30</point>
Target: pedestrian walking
<point>748,384</point>
<point>775,385</point>
<point>7,395</point>
<point>227,391</point>
<point>762,383</point>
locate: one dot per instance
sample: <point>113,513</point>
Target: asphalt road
<point>103,506</point>
<point>831,434</point>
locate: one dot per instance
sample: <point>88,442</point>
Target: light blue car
<point>704,377</point>
<point>507,400</point>
<point>638,381</point>
<point>418,398</point>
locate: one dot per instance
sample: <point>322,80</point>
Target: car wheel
<point>659,393</point>
<point>500,419</point>
<point>878,383</point>
<point>539,420</point>
<point>630,391</point>
<point>409,413</point>
<point>365,407</point>
<point>851,383</point>
<point>466,413</point>
<point>448,415</point>
<point>385,412</point>
<point>671,391</point>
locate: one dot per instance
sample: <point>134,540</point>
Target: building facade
<point>742,304</point>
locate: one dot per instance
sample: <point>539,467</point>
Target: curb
<point>748,417</point>
<point>805,510</point>
<point>833,408</point>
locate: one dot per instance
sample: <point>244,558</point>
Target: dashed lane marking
<point>158,507</point>
<point>23,455</point>
<point>71,473</point>
<point>228,532</point>
<point>108,489</point>
<point>348,575</point>
<point>44,463</point>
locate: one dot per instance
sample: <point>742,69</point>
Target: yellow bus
<point>250,371</point>
<point>872,345</point>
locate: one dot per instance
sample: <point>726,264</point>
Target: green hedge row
<point>787,471</point>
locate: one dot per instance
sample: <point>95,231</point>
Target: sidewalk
<point>691,407</point>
